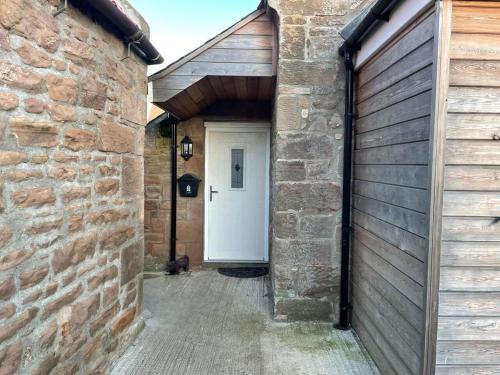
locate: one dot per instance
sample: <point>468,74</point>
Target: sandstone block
<point>32,297</point>
<point>116,138</point>
<point>75,223</point>
<point>59,65</point>
<point>34,276</point>
<point>31,21</point>
<point>110,294</point>
<point>303,309</point>
<point>78,52</point>
<point>317,281</point>
<point>10,358</point>
<point>62,173</point>
<point>34,57</point>
<point>69,278</point>
<point>108,186</point>
<point>12,157</point>
<point>71,194</point>
<point>51,289</point>
<point>5,235</point>
<point>44,226</point>
<point>84,310</point>
<point>30,132</point>
<point>80,139</point>
<point>92,347</point>
<point>132,177</point>
<point>20,78</point>
<point>292,42</point>
<point>4,40</point>
<point>61,112</point>
<point>24,175</point>
<point>93,94</point>
<point>62,89</point>
<point>287,113</point>
<point>7,288</point>
<point>96,281</point>
<point>108,216</point>
<point>324,196</point>
<point>66,158</point>
<point>47,364</point>
<point>132,262</point>
<point>36,197</point>
<point>317,226</point>
<point>32,105</point>
<point>133,107</point>
<point>294,252</point>
<point>295,72</point>
<point>102,320</point>
<point>7,311</point>
<point>111,240</point>
<point>314,7</point>
<point>285,225</point>
<point>74,252</point>
<point>48,335</point>
<point>294,20</point>
<point>105,170</point>
<point>22,319</point>
<point>2,202</point>
<point>8,101</point>
<point>290,170</point>
<point>14,258</point>
<point>64,300</point>
<point>304,146</point>
<point>39,158</point>
<point>123,321</point>
<point>71,345</point>
<point>116,70</point>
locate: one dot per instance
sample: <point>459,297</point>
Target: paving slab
<point>203,323</point>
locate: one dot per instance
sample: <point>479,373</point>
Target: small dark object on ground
<point>244,272</point>
<point>174,267</point>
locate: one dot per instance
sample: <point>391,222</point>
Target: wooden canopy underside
<point>238,64</point>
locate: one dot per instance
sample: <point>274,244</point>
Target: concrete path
<point>202,323</point>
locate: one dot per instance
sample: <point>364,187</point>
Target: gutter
<point>134,36</point>
<point>365,23</point>
<point>353,35</point>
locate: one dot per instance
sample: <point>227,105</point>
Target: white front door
<point>236,192</point>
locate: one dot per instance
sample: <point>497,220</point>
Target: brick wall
<point>72,119</point>
<point>307,158</point>
<point>157,177</point>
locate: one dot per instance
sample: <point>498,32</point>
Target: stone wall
<point>72,119</point>
<point>307,162</point>
<point>157,177</point>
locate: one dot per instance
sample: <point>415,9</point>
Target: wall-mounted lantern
<point>186,148</point>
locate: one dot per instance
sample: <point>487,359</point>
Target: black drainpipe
<point>380,11</point>
<point>173,199</point>
<point>343,323</point>
<point>174,264</point>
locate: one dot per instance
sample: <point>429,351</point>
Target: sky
<point>180,26</point>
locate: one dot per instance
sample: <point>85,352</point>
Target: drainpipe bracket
<point>126,53</point>
<point>61,9</point>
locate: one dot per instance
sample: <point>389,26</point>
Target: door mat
<point>244,272</point>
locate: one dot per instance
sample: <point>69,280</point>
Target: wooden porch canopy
<point>237,65</point>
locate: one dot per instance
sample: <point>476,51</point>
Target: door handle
<point>212,191</point>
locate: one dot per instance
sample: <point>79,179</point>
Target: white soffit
<point>401,17</point>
